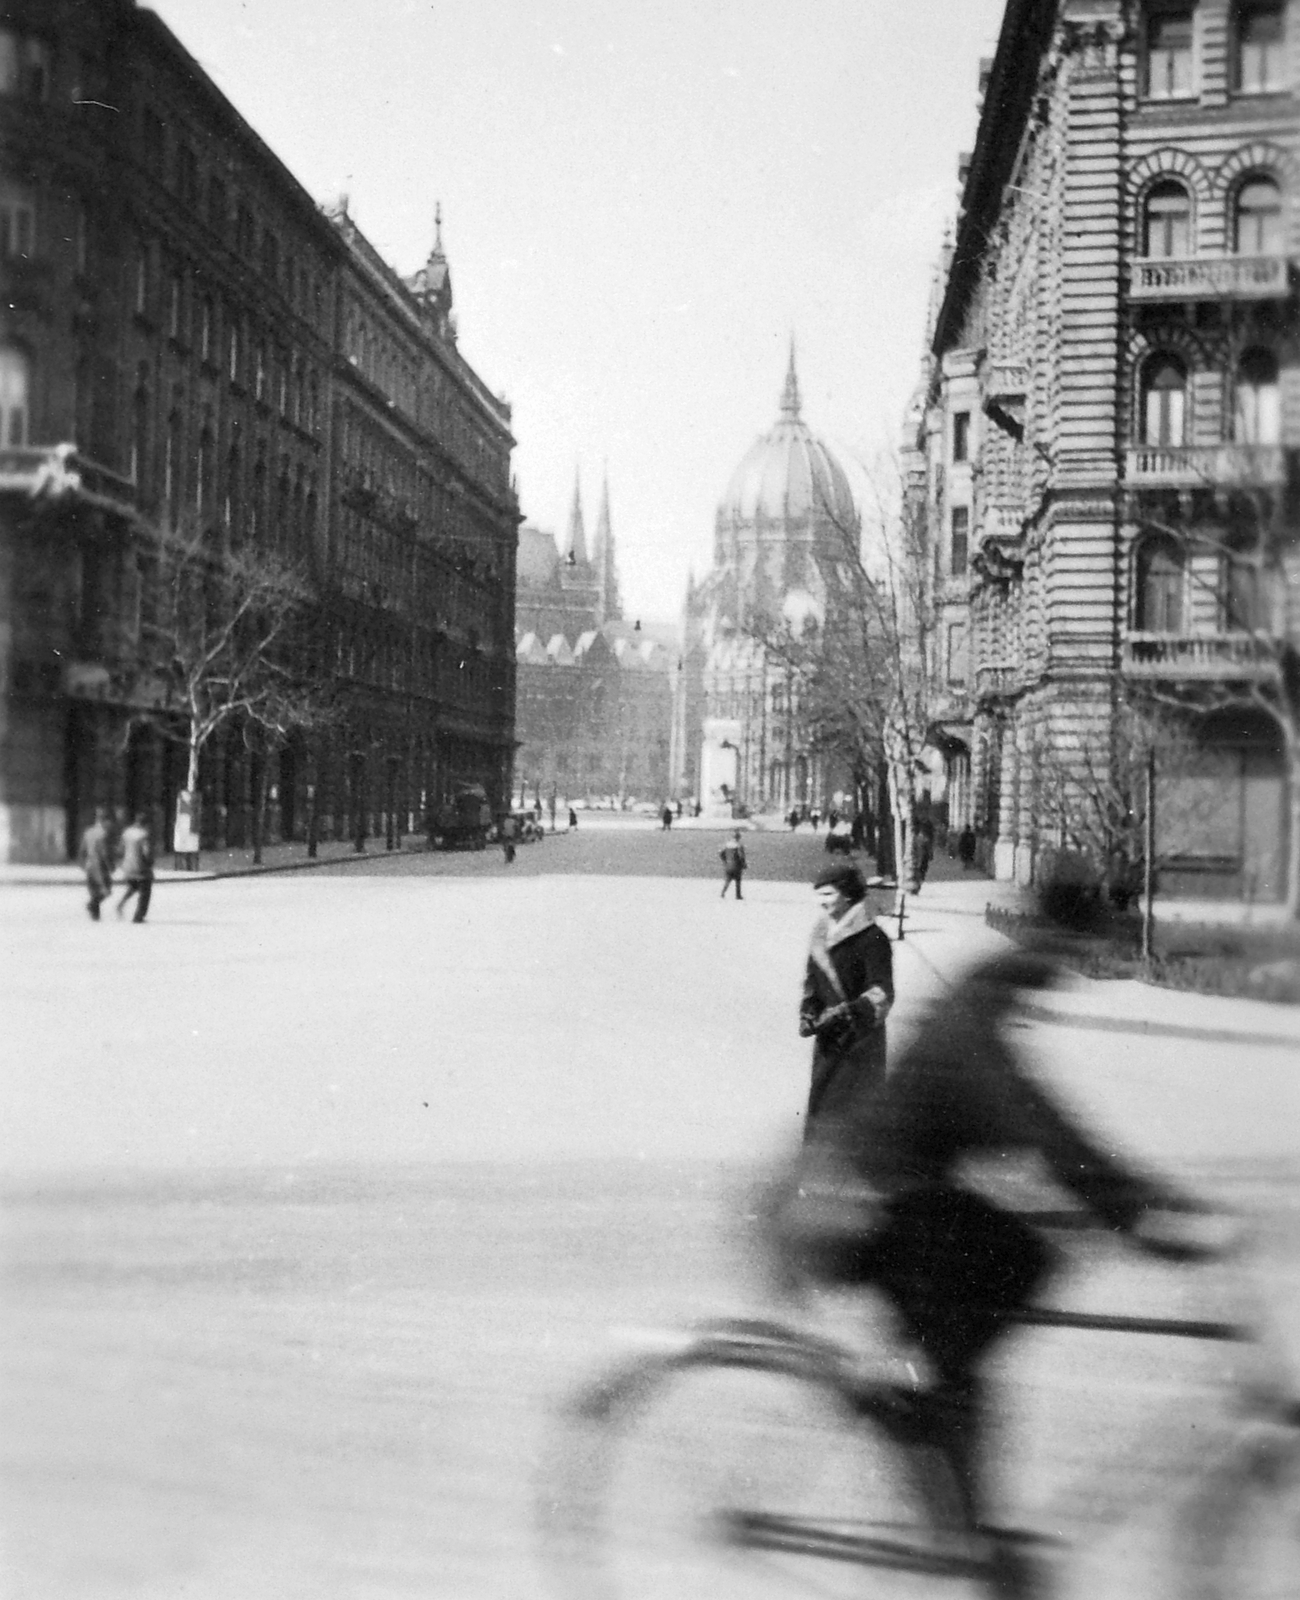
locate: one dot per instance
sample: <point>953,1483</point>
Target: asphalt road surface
<point>322,1188</point>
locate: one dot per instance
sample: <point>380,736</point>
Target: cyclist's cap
<point>845,877</point>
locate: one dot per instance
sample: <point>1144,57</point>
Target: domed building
<point>781,527</point>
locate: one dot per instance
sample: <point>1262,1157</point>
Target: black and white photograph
<point>649,800</point>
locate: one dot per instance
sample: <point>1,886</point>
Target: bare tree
<point>229,639</point>
<point>864,674</point>
<point>1240,550</point>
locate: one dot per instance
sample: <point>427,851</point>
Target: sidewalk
<point>939,929</point>
<point>291,857</point>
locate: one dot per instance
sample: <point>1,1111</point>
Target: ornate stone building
<point>594,693</point>
<point>738,739</point>
<point>1105,441</point>
<point>186,341</point>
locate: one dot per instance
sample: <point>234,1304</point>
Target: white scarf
<point>830,931</point>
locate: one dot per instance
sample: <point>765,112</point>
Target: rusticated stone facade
<point>1114,375</point>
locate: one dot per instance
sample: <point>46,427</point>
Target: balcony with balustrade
<point>1237,466</point>
<point>53,474</point>
<point>1203,657</point>
<point>1210,277</point>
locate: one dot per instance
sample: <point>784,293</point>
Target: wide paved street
<point>323,1186</point>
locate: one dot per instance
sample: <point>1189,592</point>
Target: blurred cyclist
<point>879,1199</point>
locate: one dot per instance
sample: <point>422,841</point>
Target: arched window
<point>1161,587</point>
<point>1257,406</point>
<point>14,391</point>
<point>1167,221</point>
<point>1164,401</point>
<point>1259,218</point>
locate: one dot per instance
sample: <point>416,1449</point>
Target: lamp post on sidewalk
<point>1149,863</point>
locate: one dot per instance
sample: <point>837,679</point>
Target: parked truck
<point>462,821</point>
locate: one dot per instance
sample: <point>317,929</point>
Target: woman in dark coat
<point>848,989</point>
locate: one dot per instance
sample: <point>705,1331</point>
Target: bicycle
<point>750,1460</point>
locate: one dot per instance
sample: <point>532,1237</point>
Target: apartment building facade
<point>174,355</point>
<point>1104,442</point>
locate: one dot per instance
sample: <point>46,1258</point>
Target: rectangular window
<point>187,176</point>
<point>959,542</point>
<point>218,207</point>
<point>175,306</point>
<point>232,351</point>
<point>1169,52</point>
<point>142,281</point>
<point>1261,42</point>
<point>24,66</point>
<point>17,224</point>
<point>958,654</point>
<point>207,319</point>
<point>152,140</point>
<point>961,436</point>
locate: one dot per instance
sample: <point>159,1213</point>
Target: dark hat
<point>845,877</point>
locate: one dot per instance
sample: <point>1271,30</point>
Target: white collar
<point>855,920</point>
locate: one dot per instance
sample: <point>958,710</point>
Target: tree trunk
<point>1292,746</point>
<point>259,806</point>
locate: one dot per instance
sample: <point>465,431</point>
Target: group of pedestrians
<point>130,851</point>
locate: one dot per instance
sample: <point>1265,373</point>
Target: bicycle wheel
<point>736,1471</point>
<point>1247,1545</point>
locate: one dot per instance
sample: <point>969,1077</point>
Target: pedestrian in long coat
<point>137,867</point>
<point>848,990</point>
<point>96,859</point>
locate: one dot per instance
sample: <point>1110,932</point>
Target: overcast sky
<point>642,200</point>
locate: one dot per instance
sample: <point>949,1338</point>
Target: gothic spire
<point>577,545</point>
<point>611,607</point>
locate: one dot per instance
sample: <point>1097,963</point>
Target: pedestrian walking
<point>573,818</point>
<point>666,816</point>
<point>966,848</point>
<point>924,849</point>
<point>793,819</point>
<point>733,864</point>
<point>848,990</point>
<point>96,860</point>
<point>815,818</point>
<point>137,867</point>
<point>509,829</point>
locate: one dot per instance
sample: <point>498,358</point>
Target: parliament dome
<point>789,474</point>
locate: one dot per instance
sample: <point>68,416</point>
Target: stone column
<point>1004,851</point>
<point>1026,817</point>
